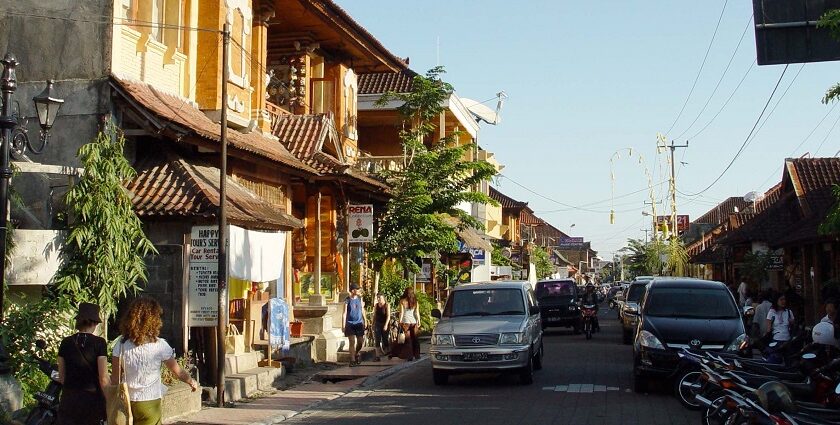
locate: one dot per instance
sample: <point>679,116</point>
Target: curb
<point>374,379</point>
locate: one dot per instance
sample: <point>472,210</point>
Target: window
<point>485,302</point>
<point>322,90</point>
<point>700,303</point>
<point>563,288</point>
<point>351,87</point>
<point>239,16</point>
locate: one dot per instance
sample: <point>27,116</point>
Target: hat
<point>354,286</point>
<point>88,311</point>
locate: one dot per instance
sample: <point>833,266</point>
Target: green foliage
<point>434,181</point>
<point>498,258</point>
<point>25,322</point>
<point>831,20</point>
<point>657,257</point>
<point>103,253</point>
<point>425,304</point>
<point>831,223</point>
<point>542,263</point>
<point>636,260</point>
<point>392,283</point>
<point>755,266</point>
<point>168,378</point>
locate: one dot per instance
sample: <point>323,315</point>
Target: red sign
<point>682,222</point>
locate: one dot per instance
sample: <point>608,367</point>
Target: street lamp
<point>15,137</point>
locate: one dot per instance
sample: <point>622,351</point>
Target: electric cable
<point>731,95</point>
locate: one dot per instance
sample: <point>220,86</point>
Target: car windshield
<point>485,302</point>
<point>555,289</point>
<point>634,294</point>
<point>700,303</point>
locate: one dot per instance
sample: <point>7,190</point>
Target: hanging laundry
<point>275,322</point>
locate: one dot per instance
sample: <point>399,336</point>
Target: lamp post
<point>15,137</point>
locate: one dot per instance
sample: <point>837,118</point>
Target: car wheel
<point>538,358</point>
<point>526,375</point>
<point>712,415</point>
<point>440,377</point>
<point>626,337</point>
<point>686,387</point>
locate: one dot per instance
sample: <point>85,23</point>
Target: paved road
<point>583,382</point>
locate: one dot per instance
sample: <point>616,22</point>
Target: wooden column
<point>317,298</point>
<point>264,11</point>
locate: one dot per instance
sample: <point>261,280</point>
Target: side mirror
<point>436,314</point>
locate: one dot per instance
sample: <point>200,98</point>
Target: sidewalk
<point>284,404</point>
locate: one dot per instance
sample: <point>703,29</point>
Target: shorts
<point>380,336</point>
<point>354,329</point>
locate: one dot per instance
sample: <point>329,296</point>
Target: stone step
<point>239,363</point>
<point>249,382</point>
<point>367,354</point>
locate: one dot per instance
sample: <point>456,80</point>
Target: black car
<point>679,313</point>
<point>558,303</point>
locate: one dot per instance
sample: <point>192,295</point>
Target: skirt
<point>80,407</point>
<point>146,412</point>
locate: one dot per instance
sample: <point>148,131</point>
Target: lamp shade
<point>47,106</point>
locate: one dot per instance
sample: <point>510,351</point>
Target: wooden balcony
<point>274,113</point>
<point>379,164</point>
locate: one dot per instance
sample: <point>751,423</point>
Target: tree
<point>103,254</point>
<point>541,261</point>
<point>435,179</point>
<point>831,223</point>
<point>831,20</point>
<point>636,257</point>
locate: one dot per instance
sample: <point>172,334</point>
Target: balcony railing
<point>274,113</point>
<point>379,164</point>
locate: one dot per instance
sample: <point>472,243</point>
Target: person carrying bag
<point>82,370</point>
<point>117,401</point>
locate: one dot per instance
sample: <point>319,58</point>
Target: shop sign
<point>360,223</point>
<point>203,296</point>
<point>478,256</point>
<point>776,262</point>
<point>570,242</point>
<point>425,274</point>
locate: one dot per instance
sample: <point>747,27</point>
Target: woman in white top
<point>141,352</point>
<point>410,324</point>
<point>780,319</point>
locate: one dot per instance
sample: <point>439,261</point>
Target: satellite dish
<point>481,111</point>
<point>753,196</point>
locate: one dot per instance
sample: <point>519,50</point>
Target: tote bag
<point>117,403</point>
<point>234,341</point>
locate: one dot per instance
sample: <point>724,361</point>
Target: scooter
<point>46,411</point>
<point>588,311</point>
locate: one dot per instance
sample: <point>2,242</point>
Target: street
<point>582,382</point>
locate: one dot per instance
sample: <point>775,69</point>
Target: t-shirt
<point>142,367</point>
<point>781,323</point>
<point>354,310</point>
<point>79,374</point>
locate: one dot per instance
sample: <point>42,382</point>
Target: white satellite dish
<point>483,112</point>
<point>753,196</point>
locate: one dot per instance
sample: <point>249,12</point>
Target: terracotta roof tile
<point>721,212</point>
<point>504,200</point>
<point>182,112</point>
<point>401,63</point>
<point>169,186</point>
<point>382,82</point>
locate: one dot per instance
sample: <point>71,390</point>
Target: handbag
<point>117,402</point>
<point>234,341</point>
<point>401,336</point>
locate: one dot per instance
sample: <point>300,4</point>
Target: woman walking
<point>83,371</point>
<point>140,352</point>
<point>780,320</point>
<point>410,324</point>
<point>381,321</point>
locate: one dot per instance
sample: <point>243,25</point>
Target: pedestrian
<point>354,323</point>
<point>830,311</point>
<point>381,321</point>
<point>760,318</point>
<point>742,292</point>
<point>139,351</point>
<point>83,371</point>
<point>780,320</point>
<point>410,324</point>
<point>748,299</point>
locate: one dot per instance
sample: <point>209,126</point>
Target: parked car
<point>643,279</point>
<point>678,313</point>
<point>618,300</point>
<point>611,294</point>
<point>488,327</point>
<point>558,303</point>
<point>629,312</point>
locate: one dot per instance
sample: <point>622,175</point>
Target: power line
<point>607,200</point>
<point>700,71</point>
<point>746,140</point>
<point>826,136</point>
<point>731,95</point>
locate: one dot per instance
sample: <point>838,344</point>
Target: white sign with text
<point>360,222</point>
<point>204,276</point>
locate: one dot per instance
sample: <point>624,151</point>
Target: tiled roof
<point>163,108</point>
<point>720,213</point>
<point>504,200</point>
<point>382,82</point>
<point>168,186</point>
<point>355,25</point>
<point>813,179</point>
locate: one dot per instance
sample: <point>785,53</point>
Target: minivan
<point>558,303</point>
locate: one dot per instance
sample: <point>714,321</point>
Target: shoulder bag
<point>117,402</point>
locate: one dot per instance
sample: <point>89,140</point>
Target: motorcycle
<point>46,411</point>
<point>588,313</point>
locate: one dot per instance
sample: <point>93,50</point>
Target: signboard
<point>786,31</point>
<point>570,242</point>
<point>478,256</point>
<point>682,222</point>
<point>360,223</point>
<point>204,276</point>
<point>777,262</point>
<point>425,274</point>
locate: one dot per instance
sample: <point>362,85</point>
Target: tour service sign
<point>204,276</point>
<point>360,221</point>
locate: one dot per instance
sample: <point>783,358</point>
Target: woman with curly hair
<point>140,352</point>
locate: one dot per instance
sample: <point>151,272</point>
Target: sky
<point>590,84</point>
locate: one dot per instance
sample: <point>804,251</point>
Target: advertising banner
<point>360,223</point>
<point>682,222</point>
<point>203,296</point>
<point>570,242</point>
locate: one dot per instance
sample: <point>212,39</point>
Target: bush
<point>25,322</point>
<point>168,378</point>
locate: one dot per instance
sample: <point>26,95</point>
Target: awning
<point>562,257</point>
<point>472,237</point>
<point>168,186</point>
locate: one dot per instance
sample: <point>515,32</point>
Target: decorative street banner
<point>360,222</point>
<point>204,276</point>
<point>570,242</point>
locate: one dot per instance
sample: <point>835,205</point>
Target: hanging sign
<point>204,276</point>
<point>360,223</point>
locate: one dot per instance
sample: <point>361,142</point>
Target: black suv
<point>679,313</point>
<point>558,303</point>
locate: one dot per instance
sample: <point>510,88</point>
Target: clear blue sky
<point>586,79</point>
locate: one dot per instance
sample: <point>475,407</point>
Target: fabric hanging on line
<point>256,256</point>
<point>238,288</point>
<point>275,316</point>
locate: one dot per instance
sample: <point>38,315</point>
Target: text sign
<point>204,276</point>
<point>360,222</point>
<point>570,241</point>
<point>776,262</point>
<point>786,31</point>
<point>682,222</point>
<point>478,256</point>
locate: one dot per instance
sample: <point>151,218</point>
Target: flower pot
<point>296,328</point>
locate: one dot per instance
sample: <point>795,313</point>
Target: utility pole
<point>221,325</point>
<point>673,187</point>
<point>654,229</point>
<point>646,234</point>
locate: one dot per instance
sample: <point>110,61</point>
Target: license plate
<point>553,319</point>
<point>472,357</point>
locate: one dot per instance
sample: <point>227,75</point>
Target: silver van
<point>488,327</point>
